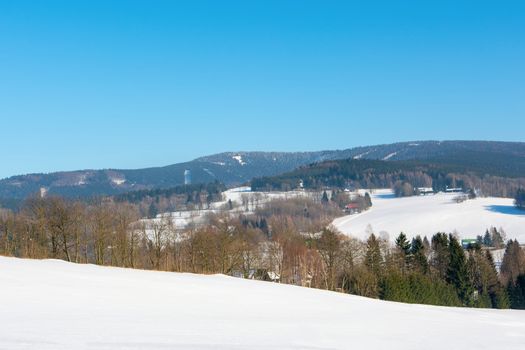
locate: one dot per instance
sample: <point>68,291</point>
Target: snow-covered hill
<point>426,215</point>
<point>57,305</point>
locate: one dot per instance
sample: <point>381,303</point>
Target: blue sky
<point>129,84</point>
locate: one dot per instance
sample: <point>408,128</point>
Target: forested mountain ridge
<point>486,173</point>
<point>504,159</point>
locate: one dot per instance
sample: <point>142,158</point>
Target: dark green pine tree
<point>152,210</point>
<point>517,293</point>
<point>403,247</point>
<point>497,293</point>
<point>368,200</point>
<point>487,239</point>
<point>403,244</point>
<point>419,258</point>
<point>324,199</point>
<point>457,272</point>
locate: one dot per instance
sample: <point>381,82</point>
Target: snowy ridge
<point>52,304</point>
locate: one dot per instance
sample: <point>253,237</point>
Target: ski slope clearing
<point>426,215</point>
<point>56,305</point>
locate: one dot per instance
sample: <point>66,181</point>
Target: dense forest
<point>362,173</point>
<point>286,241</point>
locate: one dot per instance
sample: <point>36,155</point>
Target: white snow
<point>81,180</point>
<point>359,156</point>
<point>118,181</point>
<point>239,159</point>
<point>427,215</point>
<point>390,156</point>
<point>51,304</point>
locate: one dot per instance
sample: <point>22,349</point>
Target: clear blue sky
<point>128,84</point>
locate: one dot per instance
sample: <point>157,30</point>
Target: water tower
<point>187,177</point>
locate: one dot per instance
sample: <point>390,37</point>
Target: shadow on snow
<point>505,209</point>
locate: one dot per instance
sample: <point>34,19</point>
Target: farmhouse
<point>352,208</point>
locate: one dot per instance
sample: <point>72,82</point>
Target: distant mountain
<point>492,168</point>
<point>503,158</point>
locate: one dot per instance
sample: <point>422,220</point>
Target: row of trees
<point>404,175</point>
<point>184,197</point>
<point>286,241</point>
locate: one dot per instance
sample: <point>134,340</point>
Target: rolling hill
<point>427,215</point>
<point>51,304</point>
<point>501,158</point>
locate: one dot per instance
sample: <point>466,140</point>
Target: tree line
<point>364,173</point>
<point>286,240</point>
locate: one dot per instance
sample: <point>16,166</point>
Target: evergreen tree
<point>517,293</point>
<point>497,238</point>
<point>441,255</point>
<point>324,199</point>
<point>403,244</point>
<point>497,293</point>
<point>457,272</point>
<point>479,240</point>
<point>368,200</point>
<point>520,199</point>
<point>373,257</point>
<point>152,211</point>
<point>419,258</point>
<point>513,263</point>
<point>333,197</point>
<point>403,247</point>
<point>487,239</point>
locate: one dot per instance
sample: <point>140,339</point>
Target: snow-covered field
<point>62,306</point>
<point>426,215</point>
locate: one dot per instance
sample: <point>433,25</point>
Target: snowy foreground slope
<point>426,215</point>
<point>57,305</point>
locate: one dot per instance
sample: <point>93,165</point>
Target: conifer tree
<point>457,272</point>
<point>368,200</point>
<point>517,293</point>
<point>403,247</point>
<point>497,292</point>
<point>373,257</point>
<point>419,258</point>
<point>487,239</point>
<point>333,197</point>
<point>513,263</point>
<point>441,255</point>
<point>497,238</point>
<point>324,199</point>
<point>152,211</point>
<point>403,244</point>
